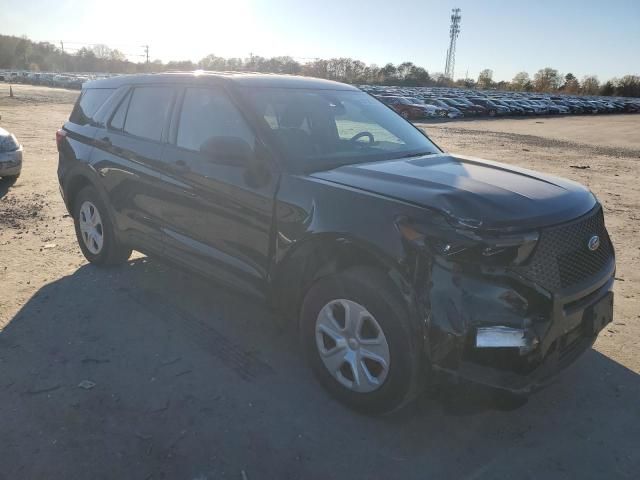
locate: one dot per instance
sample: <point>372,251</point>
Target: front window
<point>322,129</point>
<point>208,116</point>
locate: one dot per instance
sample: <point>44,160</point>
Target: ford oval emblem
<point>594,243</point>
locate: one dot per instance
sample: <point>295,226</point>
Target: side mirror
<point>228,150</point>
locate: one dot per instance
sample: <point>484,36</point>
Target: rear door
<point>128,155</point>
<point>81,128</point>
<point>221,224</point>
<point>75,150</point>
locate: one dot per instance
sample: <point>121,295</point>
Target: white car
<point>10,155</point>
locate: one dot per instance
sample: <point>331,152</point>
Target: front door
<point>222,223</point>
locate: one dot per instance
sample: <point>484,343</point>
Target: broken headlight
<point>470,246</point>
<point>490,250</point>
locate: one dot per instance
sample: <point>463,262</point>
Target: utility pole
<point>62,47</point>
<point>146,52</point>
<point>454,31</point>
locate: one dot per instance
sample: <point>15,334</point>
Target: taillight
<point>60,135</point>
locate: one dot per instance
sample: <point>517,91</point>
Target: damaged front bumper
<point>508,333</point>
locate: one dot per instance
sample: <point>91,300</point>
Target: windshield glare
<point>322,129</point>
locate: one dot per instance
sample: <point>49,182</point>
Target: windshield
<point>322,129</point>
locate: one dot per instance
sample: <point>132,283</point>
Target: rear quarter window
<point>91,99</point>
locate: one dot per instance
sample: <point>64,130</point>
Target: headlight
<point>8,143</point>
<point>469,246</point>
<point>488,250</point>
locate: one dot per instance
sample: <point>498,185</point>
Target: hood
<point>487,195</point>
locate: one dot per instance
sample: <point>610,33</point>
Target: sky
<point>582,37</point>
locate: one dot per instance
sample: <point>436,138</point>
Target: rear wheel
<point>95,232</point>
<point>358,339</point>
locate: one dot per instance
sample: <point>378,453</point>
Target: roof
<point>264,80</point>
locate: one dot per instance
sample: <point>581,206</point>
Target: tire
<point>111,251</point>
<point>11,179</point>
<point>372,289</point>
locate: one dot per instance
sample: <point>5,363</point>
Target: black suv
<point>394,260</point>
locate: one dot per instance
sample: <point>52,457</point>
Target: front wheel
<point>95,232</point>
<point>11,179</point>
<point>360,342</point>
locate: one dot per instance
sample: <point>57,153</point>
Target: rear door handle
<point>105,141</point>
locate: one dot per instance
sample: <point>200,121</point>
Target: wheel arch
<point>324,254</point>
<point>78,179</point>
<point>74,186</point>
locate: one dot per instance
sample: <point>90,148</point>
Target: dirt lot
<point>192,381</point>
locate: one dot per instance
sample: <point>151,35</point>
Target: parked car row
<point>62,80</point>
<point>415,103</point>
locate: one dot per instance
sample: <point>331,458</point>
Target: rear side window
<point>148,111</point>
<point>89,102</point>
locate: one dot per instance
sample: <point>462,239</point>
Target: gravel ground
<point>147,372</point>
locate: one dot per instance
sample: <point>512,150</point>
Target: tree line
<point>550,80</point>
<point>23,54</point>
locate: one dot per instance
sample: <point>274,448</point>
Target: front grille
<point>562,257</point>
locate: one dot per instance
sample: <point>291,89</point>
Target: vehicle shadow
<point>145,371</point>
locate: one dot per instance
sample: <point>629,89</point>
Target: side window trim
<point>172,138</point>
<point>164,136</point>
<point>126,98</point>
